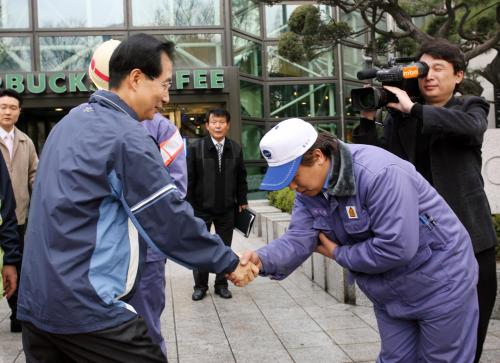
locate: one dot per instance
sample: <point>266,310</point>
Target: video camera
<point>401,76</point>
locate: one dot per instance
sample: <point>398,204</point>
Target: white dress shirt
<point>8,139</point>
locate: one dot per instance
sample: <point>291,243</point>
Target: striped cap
<point>99,64</point>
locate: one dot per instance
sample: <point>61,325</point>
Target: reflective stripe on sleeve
<point>157,195</point>
<point>171,148</point>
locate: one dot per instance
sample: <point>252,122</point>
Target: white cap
<point>99,64</point>
<point>283,147</point>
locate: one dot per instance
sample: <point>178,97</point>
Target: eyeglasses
<point>165,85</point>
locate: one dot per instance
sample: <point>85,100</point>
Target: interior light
<point>58,109</point>
<point>304,103</point>
<point>191,118</point>
<point>295,93</point>
<point>326,97</point>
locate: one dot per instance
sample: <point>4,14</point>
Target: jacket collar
<point>210,144</point>
<point>19,135</point>
<point>112,100</point>
<point>342,182</point>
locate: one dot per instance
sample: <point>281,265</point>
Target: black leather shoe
<point>198,294</point>
<point>15,326</point>
<point>224,292</point>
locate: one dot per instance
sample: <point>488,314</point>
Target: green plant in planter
<point>282,199</point>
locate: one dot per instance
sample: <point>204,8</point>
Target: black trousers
<point>21,230</point>
<point>486,292</point>
<point>128,342</point>
<point>224,224</point>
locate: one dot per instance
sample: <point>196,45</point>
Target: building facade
<point>226,57</point>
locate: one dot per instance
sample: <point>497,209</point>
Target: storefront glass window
<point>306,100</point>
<point>277,18</point>
<point>349,128</point>
<point>175,12</point>
<point>353,61</point>
<point>246,16</point>
<point>68,53</point>
<point>247,56</point>
<point>14,14</point>
<point>80,14</point>
<point>330,127</point>
<point>251,99</point>
<point>15,54</point>
<point>279,66</point>
<point>197,50</point>
<point>250,139</point>
<point>255,174</point>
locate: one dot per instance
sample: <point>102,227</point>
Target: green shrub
<point>282,199</point>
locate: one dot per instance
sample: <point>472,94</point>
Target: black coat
<point>455,138</point>
<point>8,222</point>
<point>212,191</point>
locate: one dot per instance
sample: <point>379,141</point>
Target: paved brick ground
<point>268,321</point>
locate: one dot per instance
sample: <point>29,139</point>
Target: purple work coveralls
<point>406,249</point>
<point>149,297</point>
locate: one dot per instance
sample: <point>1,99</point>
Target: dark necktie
<point>219,154</point>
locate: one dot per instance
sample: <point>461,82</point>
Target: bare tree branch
<point>450,20</point>
<point>404,22</point>
<point>493,42</point>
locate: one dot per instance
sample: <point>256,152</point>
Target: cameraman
<point>442,137</point>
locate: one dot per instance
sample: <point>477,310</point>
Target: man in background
<point>20,156</point>
<point>216,187</point>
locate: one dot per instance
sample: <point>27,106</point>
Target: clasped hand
<point>247,269</point>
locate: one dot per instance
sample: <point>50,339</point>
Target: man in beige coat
<point>20,156</point>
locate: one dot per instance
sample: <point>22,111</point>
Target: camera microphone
<point>367,73</point>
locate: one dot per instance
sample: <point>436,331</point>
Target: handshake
<point>247,270</point>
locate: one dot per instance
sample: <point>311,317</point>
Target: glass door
<point>189,118</point>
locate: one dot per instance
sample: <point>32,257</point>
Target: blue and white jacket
<point>100,184</point>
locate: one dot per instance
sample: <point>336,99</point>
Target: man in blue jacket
<point>101,183</point>
<point>149,296</point>
<point>378,217</point>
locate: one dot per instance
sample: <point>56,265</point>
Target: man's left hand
<point>405,103</point>
<point>9,279</point>
<point>241,207</point>
<point>326,246</point>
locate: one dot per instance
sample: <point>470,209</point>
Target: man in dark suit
<point>9,241</point>
<point>442,136</point>
<point>216,186</point>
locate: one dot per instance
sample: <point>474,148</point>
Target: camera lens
<point>370,98</point>
<point>367,99</point>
